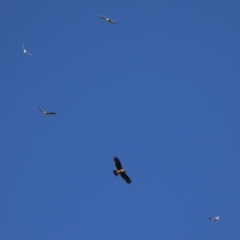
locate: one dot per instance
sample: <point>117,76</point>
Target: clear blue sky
<point>161,91</point>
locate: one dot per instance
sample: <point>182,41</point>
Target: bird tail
<point>115,172</point>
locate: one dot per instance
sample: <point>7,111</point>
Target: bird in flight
<point>120,170</point>
<point>26,51</point>
<point>108,19</point>
<point>46,113</point>
<point>214,218</point>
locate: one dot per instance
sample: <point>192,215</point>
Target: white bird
<point>46,113</point>
<point>26,51</point>
<point>214,218</point>
<point>108,19</point>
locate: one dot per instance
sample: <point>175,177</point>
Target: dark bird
<point>108,19</point>
<point>120,170</point>
<point>46,113</point>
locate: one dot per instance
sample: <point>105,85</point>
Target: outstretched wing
<point>41,110</point>
<point>50,113</point>
<point>126,177</point>
<point>111,21</point>
<point>29,53</point>
<point>117,163</point>
<point>103,17</point>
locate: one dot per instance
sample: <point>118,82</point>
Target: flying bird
<point>120,170</point>
<point>214,218</point>
<point>108,19</point>
<point>46,113</point>
<point>26,51</point>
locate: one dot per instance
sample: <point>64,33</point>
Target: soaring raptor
<point>120,170</point>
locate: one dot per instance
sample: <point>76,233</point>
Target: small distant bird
<point>46,113</point>
<point>214,218</point>
<point>108,19</point>
<point>26,51</point>
<point>120,170</point>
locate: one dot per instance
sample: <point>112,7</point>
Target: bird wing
<point>51,113</point>
<point>103,17</point>
<point>117,163</point>
<point>111,21</point>
<point>23,46</point>
<point>41,110</point>
<point>29,53</point>
<point>126,178</point>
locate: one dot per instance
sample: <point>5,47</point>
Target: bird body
<point>117,172</point>
<point>120,171</point>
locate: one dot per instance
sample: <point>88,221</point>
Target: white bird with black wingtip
<point>108,19</point>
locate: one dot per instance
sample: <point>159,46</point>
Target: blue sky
<point>160,91</point>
